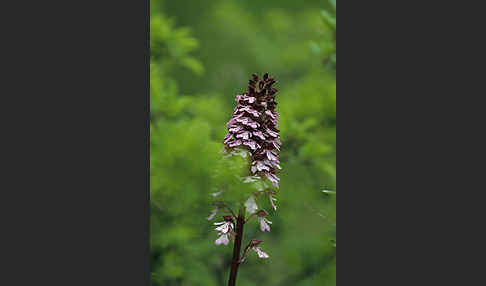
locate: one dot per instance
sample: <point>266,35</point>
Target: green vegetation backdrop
<point>202,55</point>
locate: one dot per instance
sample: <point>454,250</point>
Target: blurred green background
<point>202,55</point>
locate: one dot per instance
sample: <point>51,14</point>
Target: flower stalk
<point>235,261</point>
<point>252,132</point>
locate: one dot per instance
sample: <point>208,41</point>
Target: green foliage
<point>326,46</point>
<point>190,106</point>
<point>171,46</point>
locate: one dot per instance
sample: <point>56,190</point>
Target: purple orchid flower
<point>252,133</point>
<point>272,199</point>
<point>225,229</point>
<point>254,124</point>
<point>264,222</point>
<point>254,245</point>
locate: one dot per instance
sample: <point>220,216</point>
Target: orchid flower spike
<point>253,126</point>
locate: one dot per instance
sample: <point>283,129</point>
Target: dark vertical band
<point>75,113</point>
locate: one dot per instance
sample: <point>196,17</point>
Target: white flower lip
<point>223,239</point>
<point>224,227</point>
<point>264,224</point>
<point>260,253</point>
<point>251,206</point>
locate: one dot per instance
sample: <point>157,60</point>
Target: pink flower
<point>252,144</point>
<point>247,121</point>
<point>271,133</point>
<point>260,253</point>
<point>254,245</point>
<point>233,120</point>
<point>235,143</point>
<point>259,134</point>
<point>274,142</point>
<point>250,99</point>
<point>223,239</point>
<point>244,135</point>
<point>227,138</point>
<point>264,222</point>
<point>250,110</point>
<point>269,113</point>
<point>225,229</point>
<point>272,178</point>
<point>270,193</point>
<point>273,163</point>
<point>260,165</point>
<point>235,129</point>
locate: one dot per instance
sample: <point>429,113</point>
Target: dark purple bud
<point>262,212</point>
<point>254,126</point>
<point>270,83</point>
<point>228,218</point>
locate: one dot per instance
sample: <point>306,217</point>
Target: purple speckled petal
<point>223,239</point>
<point>227,138</point>
<point>260,165</point>
<point>275,177</point>
<point>272,163</point>
<point>271,155</point>
<point>269,113</point>
<point>272,178</point>
<point>276,165</point>
<point>259,134</point>
<point>274,122</point>
<point>276,145</point>
<point>254,124</point>
<point>252,144</point>
<point>264,224</point>
<point>251,111</point>
<point>231,122</point>
<point>271,201</point>
<point>244,135</point>
<point>235,143</point>
<point>235,129</point>
<point>271,133</point>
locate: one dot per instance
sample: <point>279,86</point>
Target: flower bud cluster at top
<point>254,124</point>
